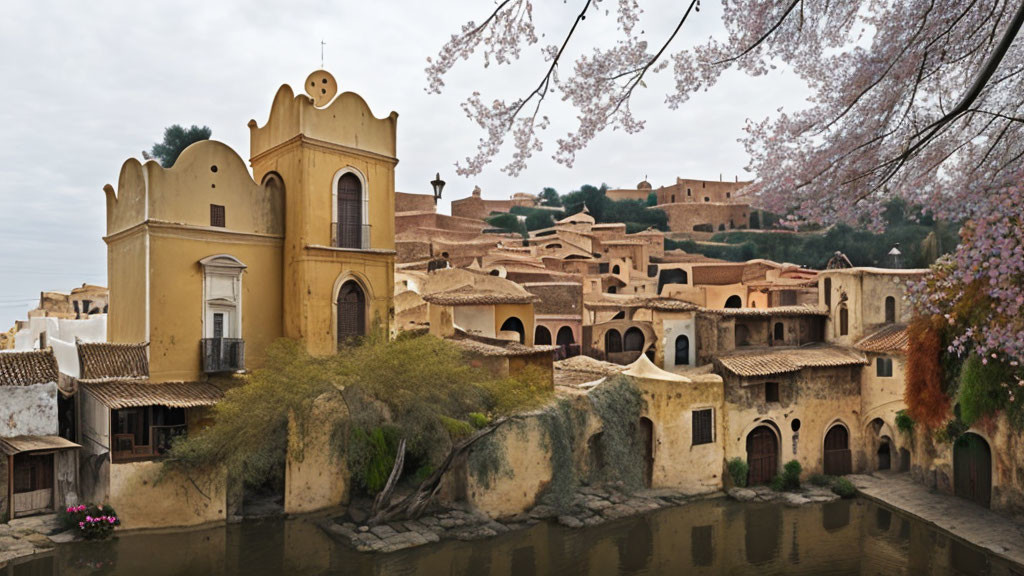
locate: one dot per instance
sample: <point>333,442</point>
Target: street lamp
<point>438,185</point>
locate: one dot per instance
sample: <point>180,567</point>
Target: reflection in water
<point>701,538</point>
<point>763,532</point>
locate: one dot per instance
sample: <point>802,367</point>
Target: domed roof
<point>581,217</point>
<point>644,185</point>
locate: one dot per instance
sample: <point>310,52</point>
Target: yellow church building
<point>210,264</point>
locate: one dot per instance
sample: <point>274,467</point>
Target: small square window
<point>217,217</point>
<point>703,427</point>
<point>883,367</point>
<point>771,391</point>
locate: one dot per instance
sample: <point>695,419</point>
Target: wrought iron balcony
<point>223,354</point>
<point>346,236</point>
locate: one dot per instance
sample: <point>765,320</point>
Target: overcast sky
<point>86,85</point>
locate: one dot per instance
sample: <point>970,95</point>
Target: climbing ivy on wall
<point>560,424</point>
<point>619,405</point>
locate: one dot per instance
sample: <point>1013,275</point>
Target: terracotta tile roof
<point>889,339</point>
<point>120,394</point>
<point>607,302</point>
<point>583,369</point>
<point>498,348</point>
<point>769,361</point>
<point>473,296</point>
<point>27,368</point>
<point>796,310</point>
<point>103,360</point>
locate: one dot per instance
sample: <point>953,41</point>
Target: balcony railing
<point>342,236</point>
<point>223,355</point>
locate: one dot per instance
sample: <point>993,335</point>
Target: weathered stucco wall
<point>144,498</point>
<point>28,410</point>
<point>678,463</point>
<point>316,476</point>
<point>526,473</point>
<point>818,397</point>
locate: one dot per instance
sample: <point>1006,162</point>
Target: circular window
<point>795,425</point>
<point>213,168</point>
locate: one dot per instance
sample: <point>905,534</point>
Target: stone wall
<point>682,217</point>
<point>406,202</point>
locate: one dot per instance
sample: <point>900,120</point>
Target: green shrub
<point>372,456</point>
<point>820,479</point>
<point>478,420</point>
<point>791,475</point>
<point>738,470</point>
<point>904,423</point>
<point>778,483</point>
<point>844,488</point>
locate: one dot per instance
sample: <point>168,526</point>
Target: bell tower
<point>335,162</point>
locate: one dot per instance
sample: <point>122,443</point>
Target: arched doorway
<point>351,313</point>
<point>884,454</point>
<point>349,221</point>
<point>838,457</point>
<point>647,441</point>
<point>566,341</point>
<point>541,336</point>
<point>633,340</point>
<point>972,469</point>
<point>734,301</point>
<point>612,342</point>
<point>762,455</point>
<point>779,333</point>
<point>514,324</point>
<point>741,335</point>
<point>682,350</point>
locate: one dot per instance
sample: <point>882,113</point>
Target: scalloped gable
<point>347,121</point>
<point>207,172</point>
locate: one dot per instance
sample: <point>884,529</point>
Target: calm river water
<point>712,537</point>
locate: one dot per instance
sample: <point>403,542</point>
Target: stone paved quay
<point>965,520</point>
<point>28,536</point>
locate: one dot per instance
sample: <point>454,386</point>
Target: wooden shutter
<point>350,212</point>
<point>702,427</point>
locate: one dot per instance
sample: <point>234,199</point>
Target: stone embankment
<point>807,495</point>
<point>30,536</point>
<point>588,507</point>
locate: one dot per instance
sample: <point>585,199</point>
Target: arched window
<point>844,320</point>
<point>828,292</point>
<point>612,342</point>
<point>682,350</point>
<point>514,324</point>
<point>612,289</point>
<point>734,301</point>
<point>779,333</point>
<point>633,340</point>
<point>349,223</point>
<point>565,337</point>
<point>616,269</point>
<point>351,313</point>
<point>541,336</point>
<point>890,309</point>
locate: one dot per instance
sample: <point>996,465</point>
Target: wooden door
<point>972,469</point>
<point>351,312</point>
<point>838,457</point>
<point>647,440</point>
<point>762,455</point>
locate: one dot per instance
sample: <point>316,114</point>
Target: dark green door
<point>972,469</point>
